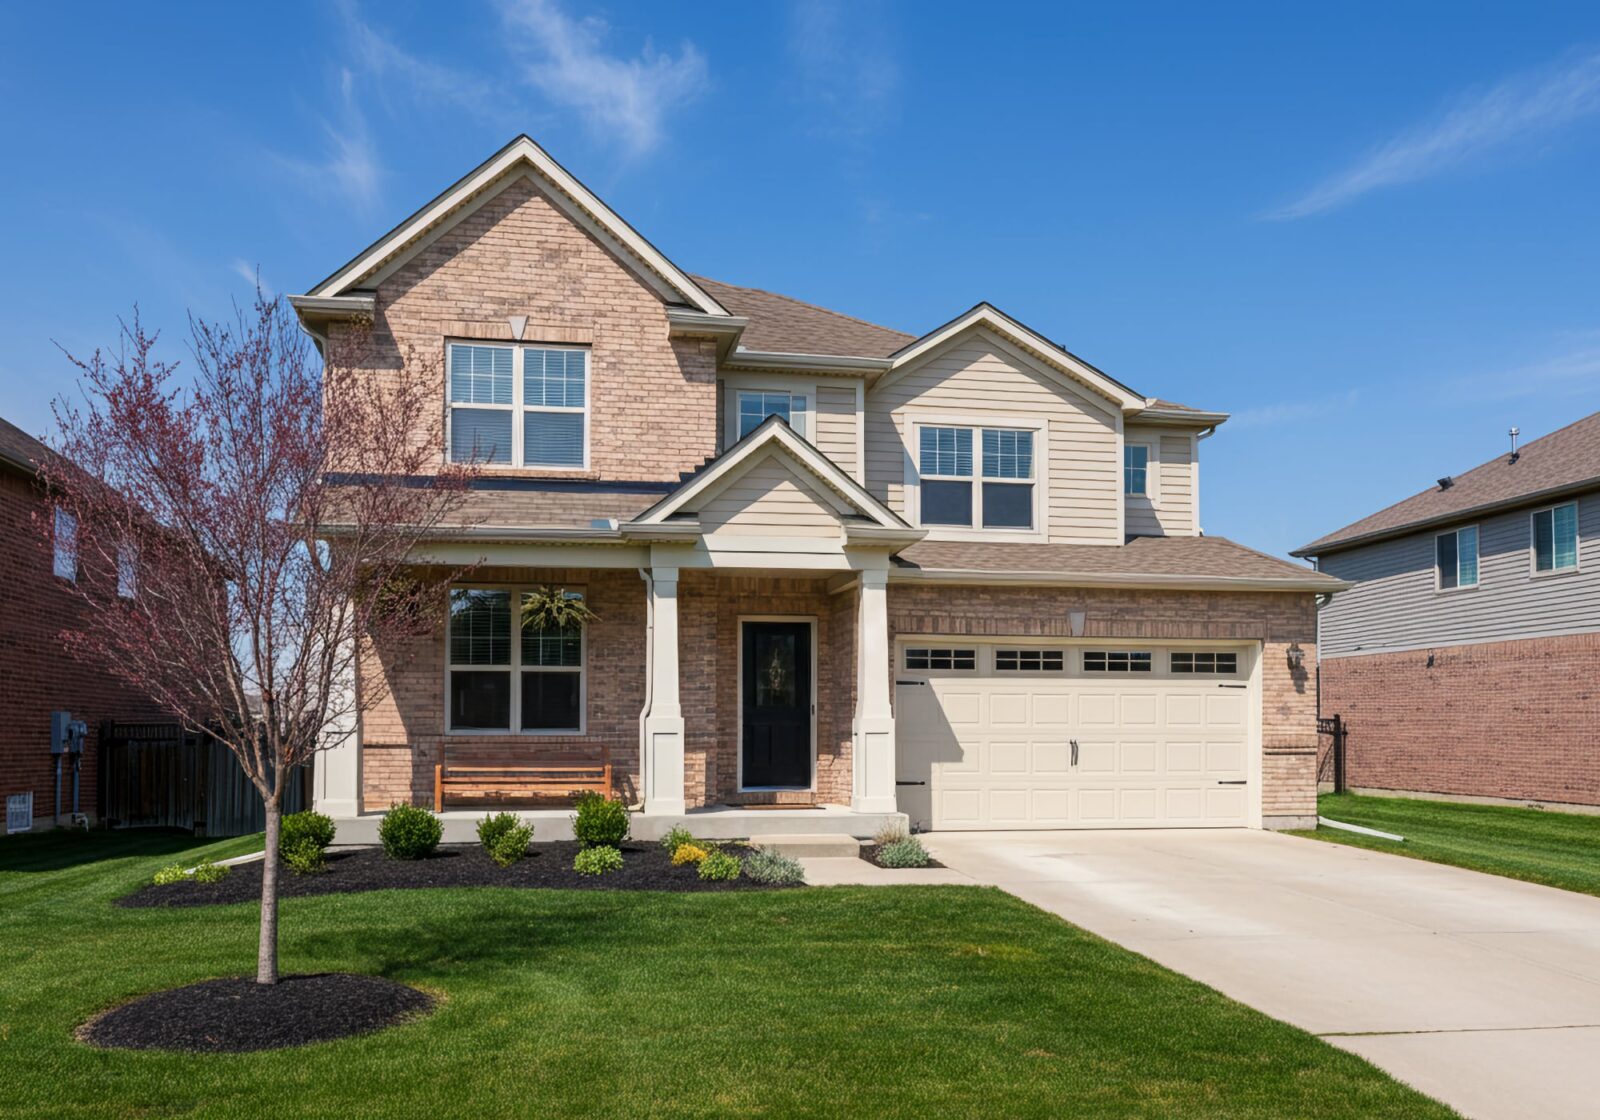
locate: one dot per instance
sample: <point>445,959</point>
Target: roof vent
<point>1446,482</point>
<point>1515,454</point>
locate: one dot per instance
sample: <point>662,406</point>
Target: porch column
<point>662,765</point>
<point>874,765</point>
<point>336,770</point>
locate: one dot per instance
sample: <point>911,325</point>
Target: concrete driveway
<point>1480,991</point>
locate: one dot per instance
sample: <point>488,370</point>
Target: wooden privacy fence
<point>157,775</point>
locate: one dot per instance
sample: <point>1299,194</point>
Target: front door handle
<point>1074,752</point>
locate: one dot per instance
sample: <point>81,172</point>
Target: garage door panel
<point>1052,758</point>
<point>961,706</point>
<point>1185,710</point>
<point>1097,709</point>
<point>1184,756</point>
<point>1137,710</point>
<point>1097,806</point>
<point>1009,807</point>
<point>1007,759</point>
<point>1052,808</point>
<point>1052,709</point>
<point>1008,709</point>
<point>1226,803</point>
<point>1137,757</point>
<point>1226,709</point>
<point>1137,805</point>
<point>1097,756</point>
<point>1225,756</point>
<point>1185,803</point>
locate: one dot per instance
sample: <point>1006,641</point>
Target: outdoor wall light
<point>1297,656</point>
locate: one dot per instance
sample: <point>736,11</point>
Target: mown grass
<point>1556,849</point>
<point>837,1002</point>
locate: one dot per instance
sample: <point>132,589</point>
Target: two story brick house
<point>833,567</point>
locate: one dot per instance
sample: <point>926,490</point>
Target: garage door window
<point>926,658</point>
<point>1212,664</point>
<point>1116,661</point>
<point>1029,660</point>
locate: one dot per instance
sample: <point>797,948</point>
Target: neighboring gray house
<point>1466,658</point>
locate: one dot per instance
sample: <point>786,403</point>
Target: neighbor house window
<point>926,658</point>
<point>1456,556</point>
<point>127,570</point>
<point>500,665</point>
<point>1555,538</point>
<point>1004,498</point>
<point>1135,469</point>
<point>756,405</point>
<point>1029,660</point>
<point>1116,661</point>
<point>1207,662</point>
<point>65,544</point>
<point>523,406</point>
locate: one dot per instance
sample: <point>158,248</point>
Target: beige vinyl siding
<point>1168,510</point>
<point>835,425</point>
<point>769,501</point>
<point>979,378</point>
<point>1394,604</point>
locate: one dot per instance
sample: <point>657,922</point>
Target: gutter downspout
<point>649,669</point>
<point>1205,435</point>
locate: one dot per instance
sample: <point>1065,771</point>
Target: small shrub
<point>172,873</point>
<point>409,832</point>
<point>491,828</point>
<point>298,828</point>
<point>676,837</point>
<point>774,868</point>
<point>304,857</point>
<point>597,860</point>
<point>600,821</point>
<point>688,853</point>
<point>906,852</point>
<point>720,866</point>
<point>889,833</point>
<point>207,872</point>
<point>511,845</point>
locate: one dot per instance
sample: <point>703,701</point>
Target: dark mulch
<point>237,1014</point>
<point>645,867</point>
<point>869,852</point>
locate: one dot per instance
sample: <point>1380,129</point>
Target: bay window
<point>522,406</point>
<point>500,663</point>
<point>995,491</point>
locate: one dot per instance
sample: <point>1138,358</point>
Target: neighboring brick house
<point>1466,655</point>
<point>37,676</point>
<point>958,575</point>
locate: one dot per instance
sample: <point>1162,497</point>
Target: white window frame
<point>1533,541</point>
<point>1144,657</point>
<point>1195,670</point>
<point>1152,472</point>
<point>915,422</point>
<point>64,545</point>
<point>127,570</point>
<point>1438,576</point>
<point>518,409</point>
<point>514,712</point>
<point>734,386</point>
<point>947,650</point>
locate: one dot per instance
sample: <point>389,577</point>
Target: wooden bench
<point>515,780</point>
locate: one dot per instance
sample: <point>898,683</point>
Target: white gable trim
<point>772,435</point>
<point>1014,332</point>
<point>524,153</point>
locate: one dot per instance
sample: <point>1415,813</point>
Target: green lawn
<point>847,1002</point>
<point>1556,849</point>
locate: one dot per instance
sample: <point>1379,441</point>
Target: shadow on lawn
<point>60,849</point>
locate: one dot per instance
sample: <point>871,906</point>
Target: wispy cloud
<point>846,64</point>
<point>349,164</point>
<point>1294,412</point>
<point>625,98</point>
<point>1573,371</point>
<point>375,54</point>
<point>251,275</point>
<point>1518,108</point>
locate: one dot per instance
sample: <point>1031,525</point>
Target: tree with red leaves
<point>240,531</point>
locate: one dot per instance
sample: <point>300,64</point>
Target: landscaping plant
<point>409,832</point>
<point>597,860</point>
<point>720,865</point>
<point>774,868</point>
<point>688,853</point>
<point>889,833</point>
<point>493,826</point>
<point>905,852</point>
<point>600,821</point>
<point>171,873</point>
<point>504,838</point>
<point>304,838</point>
<point>303,857</point>
<point>677,836</point>
<point>246,521</point>
<point>207,872</point>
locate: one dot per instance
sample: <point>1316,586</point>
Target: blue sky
<point>1371,234</point>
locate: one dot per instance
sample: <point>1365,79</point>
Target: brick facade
<point>36,676</point>
<point>1510,719</point>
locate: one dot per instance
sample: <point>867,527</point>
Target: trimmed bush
<point>171,873</point>
<point>688,853</point>
<point>906,852</point>
<point>676,837</point>
<point>207,872</point>
<point>298,828</point>
<point>597,860</point>
<point>409,832</point>
<point>511,845</point>
<point>889,833</point>
<point>600,821</point>
<point>774,868</point>
<point>719,865</point>
<point>491,828</point>
<point>304,857</point>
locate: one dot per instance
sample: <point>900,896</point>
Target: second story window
<point>1456,557</point>
<point>64,561</point>
<point>1135,469</point>
<point>521,406</point>
<point>1555,538</point>
<point>1004,498</point>
<point>755,405</point>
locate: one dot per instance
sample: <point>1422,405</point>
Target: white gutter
<point>1113,579</point>
<point>811,363</point>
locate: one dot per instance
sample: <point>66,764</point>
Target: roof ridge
<point>803,303</point>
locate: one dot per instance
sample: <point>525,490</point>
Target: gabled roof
<point>1562,462</point>
<point>782,324</point>
<point>988,316</point>
<point>773,433</point>
<point>522,153</point>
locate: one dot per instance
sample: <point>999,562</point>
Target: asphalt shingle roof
<point>1206,558</point>
<point>785,325</point>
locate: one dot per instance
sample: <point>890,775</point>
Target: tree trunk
<point>267,953</point>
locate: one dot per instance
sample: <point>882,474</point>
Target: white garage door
<point>1011,735</point>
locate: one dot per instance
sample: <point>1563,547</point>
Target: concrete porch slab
<point>811,846</point>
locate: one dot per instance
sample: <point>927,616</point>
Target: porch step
<point>810,847</point>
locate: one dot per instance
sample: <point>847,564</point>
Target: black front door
<point>775,683</point>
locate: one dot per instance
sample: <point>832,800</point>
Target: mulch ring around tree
<point>645,867</point>
<point>869,852</point>
<point>236,1014</point>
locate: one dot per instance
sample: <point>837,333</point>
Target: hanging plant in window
<point>554,608</point>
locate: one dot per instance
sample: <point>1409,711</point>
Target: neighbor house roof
<point>1198,562</point>
<point>1561,462</point>
<point>784,325</point>
<point>19,449</point>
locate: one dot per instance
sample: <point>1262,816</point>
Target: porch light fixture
<point>1297,656</point>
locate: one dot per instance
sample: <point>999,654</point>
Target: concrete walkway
<point>1480,991</point>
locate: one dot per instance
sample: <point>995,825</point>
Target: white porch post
<point>662,765</point>
<point>336,771</point>
<point>874,764</point>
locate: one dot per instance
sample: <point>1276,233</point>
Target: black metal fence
<point>1333,763</point>
<point>157,775</point>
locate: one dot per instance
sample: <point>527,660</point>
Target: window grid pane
<point>946,451</point>
<point>1566,536</point>
<point>941,659</point>
<point>1467,557</point>
<point>1448,560</point>
<point>480,374</point>
<point>553,378</point>
<point>1212,663</point>
<point>1116,661</point>
<point>480,627</point>
<point>551,648</point>
<point>1135,465</point>
<point>480,435</point>
<point>1029,661</point>
<point>1007,453</point>
<point>552,439</point>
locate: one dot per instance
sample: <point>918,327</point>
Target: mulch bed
<point>869,852</point>
<point>645,867</point>
<point>237,1014</point>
